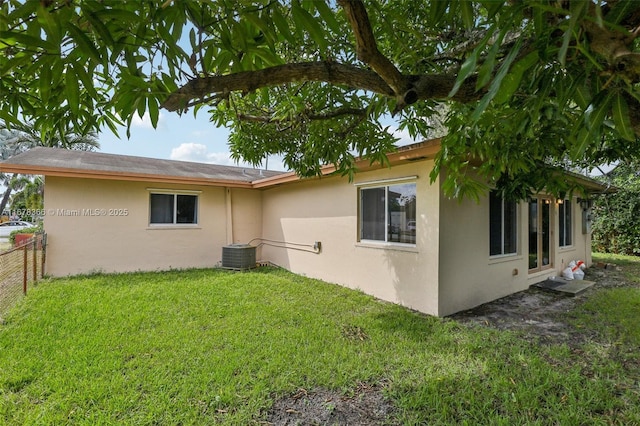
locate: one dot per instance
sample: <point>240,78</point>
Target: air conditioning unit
<point>239,256</point>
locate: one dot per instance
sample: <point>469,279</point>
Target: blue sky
<point>176,137</point>
<point>182,138</point>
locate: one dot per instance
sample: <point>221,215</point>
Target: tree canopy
<point>615,226</point>
<point>522,86</point>
<point>23,136</point>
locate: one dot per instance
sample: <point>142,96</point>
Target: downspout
<point>229,215</point>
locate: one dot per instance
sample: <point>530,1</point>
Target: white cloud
<point>145,121</point>
<point>200,153</point>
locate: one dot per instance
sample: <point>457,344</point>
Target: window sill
<point>411,248</point>
<point>548,271</point>
<point>566,248</point>
<point>172,226</point>
<point>505,258</point>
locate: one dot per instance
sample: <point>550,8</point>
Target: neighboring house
<point>390,232</point>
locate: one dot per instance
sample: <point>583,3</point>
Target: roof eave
<point>135,177</point>
<point>418,152</point>
<point>591,185</point>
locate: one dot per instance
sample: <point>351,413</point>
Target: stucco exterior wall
<point>469,276</point>
<point>326,210</point>
<point>116,241</point>
<point>247,214</point>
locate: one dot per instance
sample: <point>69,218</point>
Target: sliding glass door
<point>539,234</point>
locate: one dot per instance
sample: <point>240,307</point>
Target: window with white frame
<point>388,213</point>
<point>166,208</point>
<point>565,228</point>
<point>503,225</point>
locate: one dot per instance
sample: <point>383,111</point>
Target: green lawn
<point>209,346</point>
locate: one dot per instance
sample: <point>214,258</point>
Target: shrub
<point>616,228</point>
<point>31,230</point>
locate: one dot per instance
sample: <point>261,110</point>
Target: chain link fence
<point>20,268</point>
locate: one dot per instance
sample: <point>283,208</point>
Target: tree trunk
<point>5,197</point>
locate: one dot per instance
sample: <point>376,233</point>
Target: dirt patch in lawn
<point>365,406</point>
<point>541,315</point>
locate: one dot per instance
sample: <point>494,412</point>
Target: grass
<point>213,347</point>
<point>630,264</point>
<point>614,313</point>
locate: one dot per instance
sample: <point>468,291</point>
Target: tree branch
<point>438,86</point>
<point>615,46</point>
<point>384,78</point>
<point>367,48</point>
<point>340,112</point>
<point>427,86</point>
<point>249,81</point>
<point>634,112</point>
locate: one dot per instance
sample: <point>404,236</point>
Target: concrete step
<point>566,287</point>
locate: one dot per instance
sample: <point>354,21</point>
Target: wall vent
<point>239,256</point>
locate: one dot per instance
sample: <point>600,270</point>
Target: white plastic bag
<point>567,274</point>
<point>578,274</point>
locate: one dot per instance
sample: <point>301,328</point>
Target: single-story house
<point>389,232</point>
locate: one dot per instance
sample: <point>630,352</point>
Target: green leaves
<point>511,81</point>
<point>616,228</point>
<point>327,15</point>
<point>304,20</point>
<point>620,10</point>
<point>533,87</point>
<point>578,10</point>
<point>84,43</point>
<point>497,82</point>
<point>466,10</point>
<point>593,119</point>
<point>490,53</point>
<point>621,117</point>
<point>467,68</point>
<point>72,91</point>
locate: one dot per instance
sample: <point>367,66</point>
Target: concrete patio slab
<point>567,287</point>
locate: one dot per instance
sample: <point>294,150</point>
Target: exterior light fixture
<point>585,204</point>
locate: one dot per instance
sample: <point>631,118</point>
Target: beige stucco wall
<point>80,243</point>
<point>470,277</point>
<point>326,210</point>
<point>247,214</point>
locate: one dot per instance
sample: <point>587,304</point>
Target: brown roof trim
<point>591,185</point>
<point>414,152</point>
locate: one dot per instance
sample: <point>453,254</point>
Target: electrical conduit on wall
<point>229,215</point>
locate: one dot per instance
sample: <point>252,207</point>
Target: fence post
<point>35,259</point>
<point>24,269</point>
<point>43,247</point>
